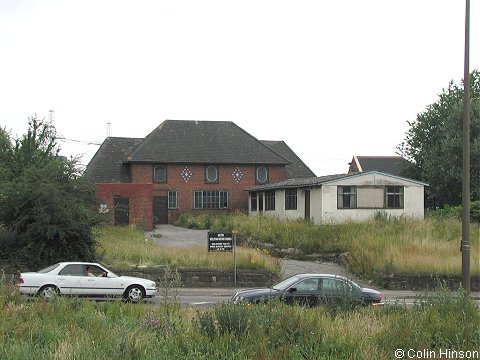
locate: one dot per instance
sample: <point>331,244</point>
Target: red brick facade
<point>185,179</point>
<point>140,200</point>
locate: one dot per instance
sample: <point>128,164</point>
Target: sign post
<point>234,232</point>
<point>221,242</point>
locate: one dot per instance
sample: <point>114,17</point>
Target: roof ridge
<point>140,146</point>
<point>380,156</point>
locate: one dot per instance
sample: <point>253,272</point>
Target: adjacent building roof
<point>108,163</point>
<point>203,142</point>
<point>386,164</point>
<point>296,168</point>
<point>319,181</point>
<point>298,183</point>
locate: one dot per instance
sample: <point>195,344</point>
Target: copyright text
<point>436,354</point>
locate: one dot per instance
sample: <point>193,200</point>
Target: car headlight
<point>152,285</point>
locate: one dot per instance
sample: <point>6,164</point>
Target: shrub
<point>45,202</point>
<point>456,212</point>
<point>475,211</point>
<point>8,243</point>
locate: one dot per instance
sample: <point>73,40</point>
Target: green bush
<point>45,202</point>
<point>475,211</point>
<point>8,243</point>
<point>456,212</point>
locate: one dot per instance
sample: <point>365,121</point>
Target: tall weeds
<point>377,247</point>
<point>123,247</point>
<point>72,328</point>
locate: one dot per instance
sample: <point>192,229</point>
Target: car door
<point>105,286</point>
<point>69,279</point>
<point>89,280</point>
<point>304,292</point>
<point>99,284</point>
<point>335,292</point>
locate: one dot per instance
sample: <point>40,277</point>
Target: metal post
<point>234,258</point>
<point>465,244</point>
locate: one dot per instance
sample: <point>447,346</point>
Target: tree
<point>5,142</point>
<point>433,145</point>
<point>45,204</point>
<point>5,146</point>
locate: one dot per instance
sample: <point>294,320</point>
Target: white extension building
<point>340,198</point>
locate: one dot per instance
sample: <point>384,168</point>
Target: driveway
<point>173,236</point>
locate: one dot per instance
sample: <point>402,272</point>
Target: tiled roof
<point>387,164</point>
<point>107,165</point>
<point>296,168</point>
<point>203,142</point>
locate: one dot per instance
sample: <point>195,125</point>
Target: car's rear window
<point>48,269</point>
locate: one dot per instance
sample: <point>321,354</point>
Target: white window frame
<point>210,199</point>
<point>172,199</point>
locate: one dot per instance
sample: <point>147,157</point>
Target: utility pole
<point>465,244</point>
<point>51,116</point>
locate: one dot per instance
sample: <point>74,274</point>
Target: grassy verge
<point>68,328</point>
<point>377,247</point>
<point>124,247</point>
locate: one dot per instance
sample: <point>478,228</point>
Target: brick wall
<point>140,201</point>
<point>204,277</point>
<point>185,179</point>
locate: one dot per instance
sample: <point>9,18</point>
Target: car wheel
<point>134,293</point>
<point>48,292</point>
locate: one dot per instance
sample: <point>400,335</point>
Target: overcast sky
<point>332,79</point>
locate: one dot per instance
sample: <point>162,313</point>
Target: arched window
<point>211,174</point>
<point>261,175</point>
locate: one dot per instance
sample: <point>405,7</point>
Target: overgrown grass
<point>124,247</point>
<point>376,247</point>
<point>70,328</point>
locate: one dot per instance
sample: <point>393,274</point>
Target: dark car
<point>312,290</point>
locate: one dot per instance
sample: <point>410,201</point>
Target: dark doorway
<point>307,205</point>
<point>121,210</point>
<point>160,210</point>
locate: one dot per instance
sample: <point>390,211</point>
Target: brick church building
<point>186,166</point>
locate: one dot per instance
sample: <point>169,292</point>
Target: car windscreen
<point>285,284</point>
<point>355,286</point>
<point>111,274</point>
<point>48,269</point>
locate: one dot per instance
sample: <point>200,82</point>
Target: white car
<point>84,279</point>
